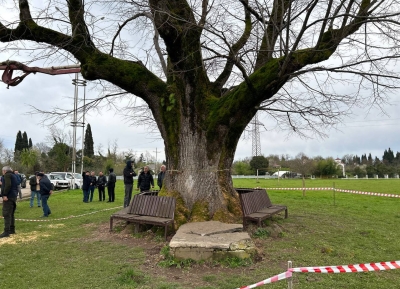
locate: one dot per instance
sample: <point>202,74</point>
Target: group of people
<point>10,189</point>
<point>145,183</point>
<point>145,180</point>
<point>90,182</point>
<point>41,188</point>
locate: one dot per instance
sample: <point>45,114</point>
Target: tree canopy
<point>204,68</point>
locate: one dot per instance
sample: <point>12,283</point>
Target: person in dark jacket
<point>35,189</point>
<point>45,192</point>
<point>161,176</point>
<point>129,173</point>
<point>9,192</point>
<point>145,180</point>
<point>101,183</point>
<point>112,179</point>
<point>93,184</point>
<point>86,181</point>
<point>19,181</point>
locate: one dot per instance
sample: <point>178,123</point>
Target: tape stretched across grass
<point>337,190</point>
<point>329,269</point>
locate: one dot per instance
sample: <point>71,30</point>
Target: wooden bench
<point>256,206</point>
<point>149,193</point>
<point>148,209</point>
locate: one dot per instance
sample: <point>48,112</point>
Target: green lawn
<point>322,229</point>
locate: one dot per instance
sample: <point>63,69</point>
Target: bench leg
<point>286,214</point>
<point>111,223</point>
<point>137,228</point>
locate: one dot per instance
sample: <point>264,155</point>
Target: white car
<point>75,180</point>
<point>58,182</point>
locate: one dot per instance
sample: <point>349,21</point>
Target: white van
<point>75,180</point>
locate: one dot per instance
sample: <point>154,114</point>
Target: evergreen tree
<point>364,159</point>
<point>30,143</point>
<point>370,159</point>
<point>397,158</point>
<point>18,142</point>
<point>25,144</point>
<point>388,156</point>
<point>88,145</point>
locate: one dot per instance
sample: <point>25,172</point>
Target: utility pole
<point>155,168</point>
<point>256,144</point>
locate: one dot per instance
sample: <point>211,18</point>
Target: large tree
<point>213,64</point>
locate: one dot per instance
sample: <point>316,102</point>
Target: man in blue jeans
<point>19,181</point>
<point>35,189</point>
<point>45,192</point>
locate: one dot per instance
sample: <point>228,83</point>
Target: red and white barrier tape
<point>275,278</point>
<point>66,218</point>
<point>338,190</point>
<point>350,268</point>
<point>329,269</point>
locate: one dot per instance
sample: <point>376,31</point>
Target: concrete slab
<point>211,240</point>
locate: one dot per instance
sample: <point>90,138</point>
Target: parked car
<point>75,180</point>
<point>23,181</point>
<point>58,182</point>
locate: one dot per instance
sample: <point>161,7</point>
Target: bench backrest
<point>163,207</point>
<point>253,200</point>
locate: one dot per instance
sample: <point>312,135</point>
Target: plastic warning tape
<point>350,268</point>
<point>275,278</point>
<point>65,218</point>
<point>338,190</point>
<point>369,193</point>
<point>329,269</point>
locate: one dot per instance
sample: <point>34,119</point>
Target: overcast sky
<point>364,133</point>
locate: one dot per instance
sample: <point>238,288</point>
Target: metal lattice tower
<point>78,121</point>
<point>256,143</point>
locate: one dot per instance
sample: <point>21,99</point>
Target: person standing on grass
<point>112,179</point>
<point>86,181</point>
<point>93,183</point>
<point>35,189</point>
<point>19,181</point>
<point>129,173</point>
<point>101,183</point>
<point>9,192</point>
<point>45,192</point>
<point>161,176</point>
<point>145,180</point>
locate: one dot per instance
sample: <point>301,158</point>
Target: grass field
<point>323,229</point>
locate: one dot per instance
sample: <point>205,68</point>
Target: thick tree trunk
<point>200,178</point>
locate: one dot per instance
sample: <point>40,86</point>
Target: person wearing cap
<point>112,179</point>
<point>35,189</point>
<point>9,193</point>
<point>129,173</point>
<point>45,192</point>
